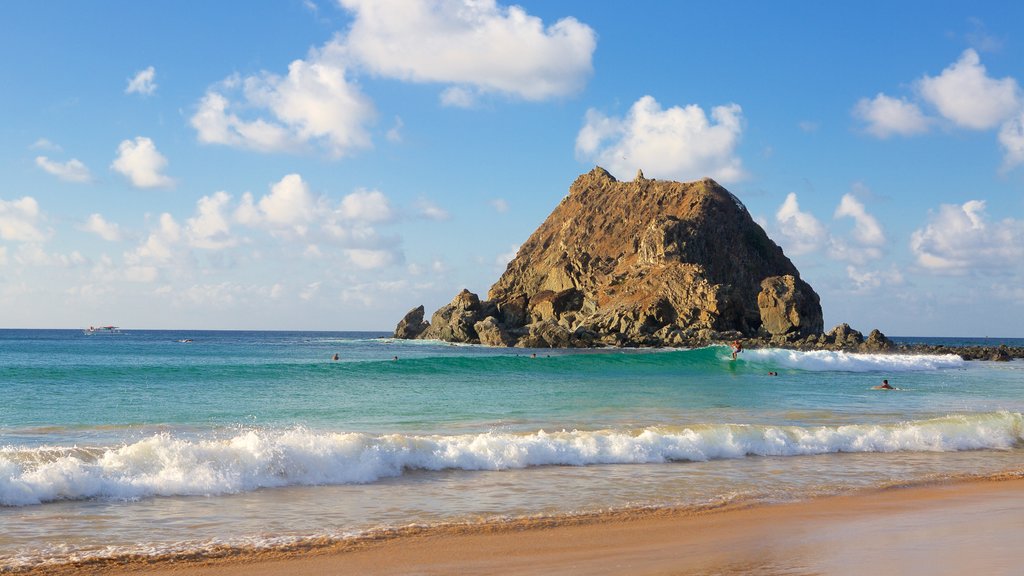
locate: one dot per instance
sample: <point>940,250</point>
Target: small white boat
<point>93,330</point>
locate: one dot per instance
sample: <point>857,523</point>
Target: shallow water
<point>141,443</point>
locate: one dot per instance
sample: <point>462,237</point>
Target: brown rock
<point>412,325</point>
<point>645,262</point>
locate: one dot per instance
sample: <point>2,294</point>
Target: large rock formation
<point>646,262</point>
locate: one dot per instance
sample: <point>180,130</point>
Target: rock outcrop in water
<point>639,263</point>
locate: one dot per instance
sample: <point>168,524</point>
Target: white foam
<point>165,465</point>
<point>833,361</point>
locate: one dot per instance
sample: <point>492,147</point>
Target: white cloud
<point>44,144</point>
<point>961,238</point>
<point>209,228</point>
<point>289,205</point>
<point>886,116</point>
<point>431,211</point>
<point>314,103</point>
<point>868,280</point>
<point>34,255</point>
<point>803,232</point>
<point>143,83</point>
<point>370,259</point>
<point>20,219</point>
<point>471,43</point>
<point>96,224</point>
<point>140,162</point>
<point>71,171</point>
<point>366,206</point>
<point>499,205</point>
<point>310,291</point>
<point>679,143</point>
<point>867,230</point>
<point>159,246</point>
<point>458,97</point>
<point>1011,137</point>
<point>965,94</point>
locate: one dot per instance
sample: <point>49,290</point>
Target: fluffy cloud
<point>475,45</point>
<point>886,116</point>
<point>209,228</point>
<point>159,247</point>
<point>140,162</point>
<point>289,205</point>
<point>965,94</point>
<point>868,237</point>
<point>143,82</point>
<point>961,238</point>
<point>71,171</point>
<point>803,232</point>
<point>868,280</point>
<point>679,143</point>
<point>20,220</point>
<point>366,206</point>
<point>96,224</point>
<point>314,103</point>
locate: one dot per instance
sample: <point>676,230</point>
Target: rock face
<point>646,262</point>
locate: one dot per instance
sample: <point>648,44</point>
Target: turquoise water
<point>260,438</point>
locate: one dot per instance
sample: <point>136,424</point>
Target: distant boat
<point>92,330</point>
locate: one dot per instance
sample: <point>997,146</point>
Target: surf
<point>164,464</point>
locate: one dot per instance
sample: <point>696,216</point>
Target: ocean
<point>162,442</point>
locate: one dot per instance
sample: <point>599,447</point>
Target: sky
<point>331,164</point>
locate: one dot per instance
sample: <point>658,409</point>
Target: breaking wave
<point>166,465</point>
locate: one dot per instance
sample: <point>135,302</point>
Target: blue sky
<point>328,165</point>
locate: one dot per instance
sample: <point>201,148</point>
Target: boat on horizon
<point>92,330</point>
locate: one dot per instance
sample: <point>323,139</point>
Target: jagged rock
<point>1001,354</point>
<point>491,333</point>
<point>454,321</point>
<point>412,325</point>
<point>789,306</point>
<point>842,336</point>
<point>877,342</point>
<point>645,262</point>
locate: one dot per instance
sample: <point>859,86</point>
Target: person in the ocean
<point>736,348</point>
<point>336,357</point>
<point>884,386</point>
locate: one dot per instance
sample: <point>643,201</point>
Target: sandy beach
<point>954,528</point>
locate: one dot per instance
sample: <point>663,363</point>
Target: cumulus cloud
<point>140,162</point>
<point>45,144</point>
<point>867,230</point>
<point>209,228</point>
<point>886,116</point>
<point>803,232</point>
<point>366,206</point>
<point>958,239</point>
<point>868,237</point>
<point>97,225</point>
<point>965,94</point>
<point>289,205</point>
<point>20,220</point>
<point>144,82</point>
<point>71,171</point>
<point>476,45</point>
<point>679,143</point>
<point>868,280</point>
<point>499,205</point>
<point>315,103</point>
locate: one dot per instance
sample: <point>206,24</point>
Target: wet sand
<point>962,528</point>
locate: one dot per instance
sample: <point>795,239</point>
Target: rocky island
<point>644,263</point>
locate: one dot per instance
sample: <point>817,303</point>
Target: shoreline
<point>936,524</point>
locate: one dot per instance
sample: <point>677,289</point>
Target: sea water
<point>155,442</point>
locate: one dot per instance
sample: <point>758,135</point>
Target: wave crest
<point>165,465</point>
